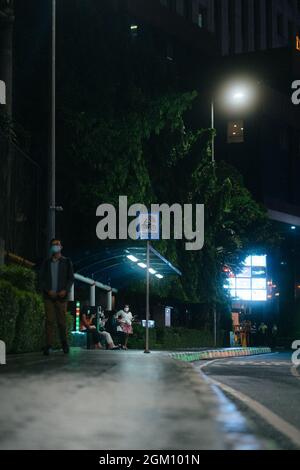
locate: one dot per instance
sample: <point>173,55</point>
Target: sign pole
<point>147,351</point>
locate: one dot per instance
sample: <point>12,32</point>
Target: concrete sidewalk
<point>108,400</point>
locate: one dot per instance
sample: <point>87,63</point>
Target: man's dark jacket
<point>65,276</point>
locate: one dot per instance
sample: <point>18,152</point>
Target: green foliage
<point>170,338</point>
<point>22,315</point>
<point>110,155</point>
<point>9,310</point>
<point>150,156</point>
<point>235,225</point>
<point>7,129</point>
<point>29,335</point>
<point>20,277</point>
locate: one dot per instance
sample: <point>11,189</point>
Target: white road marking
<point>253,363</point>
<point>282,426</point>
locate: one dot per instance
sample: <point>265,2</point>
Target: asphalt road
<point>267,390</point>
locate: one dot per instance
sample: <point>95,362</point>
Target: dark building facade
<point>243,25</point>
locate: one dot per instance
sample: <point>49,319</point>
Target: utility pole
<point>52,163</point>
<point>213,163</point>
<point>147,350</point>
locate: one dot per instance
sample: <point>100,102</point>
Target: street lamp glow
<point>239,94</point>
<point>132,258</point>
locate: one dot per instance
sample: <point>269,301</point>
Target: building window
<point>280,25</point>
<point>188,12</point>
<point>269,24</point>
<point>235,132</point>
<point>172,5</point>
<point>245,25</point>
<point>284,141</point>
<point>169,51</point>
<point>218,27</point>
<point>134,28</point>
<point>257,24</point>
<point>202,18</point>
<point>291,31</point>
<point>231,25</point>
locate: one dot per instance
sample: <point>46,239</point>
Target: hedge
<point>9,310</point>
<point>22,315</point>
<point>20,277</point>
<point>170,338</point>
<point>30,323</point>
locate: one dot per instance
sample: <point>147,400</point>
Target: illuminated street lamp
<point>237,95</point>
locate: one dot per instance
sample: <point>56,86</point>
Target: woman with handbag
<point>124,328</point>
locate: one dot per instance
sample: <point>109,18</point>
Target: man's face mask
<point>55,249</point>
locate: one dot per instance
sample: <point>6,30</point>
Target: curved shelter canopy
<point>121,265</point>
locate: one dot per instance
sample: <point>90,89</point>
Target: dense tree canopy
<point>152,157</point>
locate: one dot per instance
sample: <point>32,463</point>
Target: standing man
<point>57,278</point>
<point>253,334</point>
<point>263,331</point>
<point>274,335</point>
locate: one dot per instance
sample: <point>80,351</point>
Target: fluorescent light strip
<point>132,258</point>
<point>142,265</point>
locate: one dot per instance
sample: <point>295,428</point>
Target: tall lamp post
<point>52,165</point>
<point>237,96</point>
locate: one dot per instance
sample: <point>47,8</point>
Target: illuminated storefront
<point>250,285</point>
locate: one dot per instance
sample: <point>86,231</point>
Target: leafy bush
<point>9,310</point>
<point>20,277</point>
<point>171,338</point>
<point>22,314</point>
<point>30,327</point>
<point>29,335</point>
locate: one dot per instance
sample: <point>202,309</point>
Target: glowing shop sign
<point>251,283</point>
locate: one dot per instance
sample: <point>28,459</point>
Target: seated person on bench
<point>105,334</point>
<point>86,324</point>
